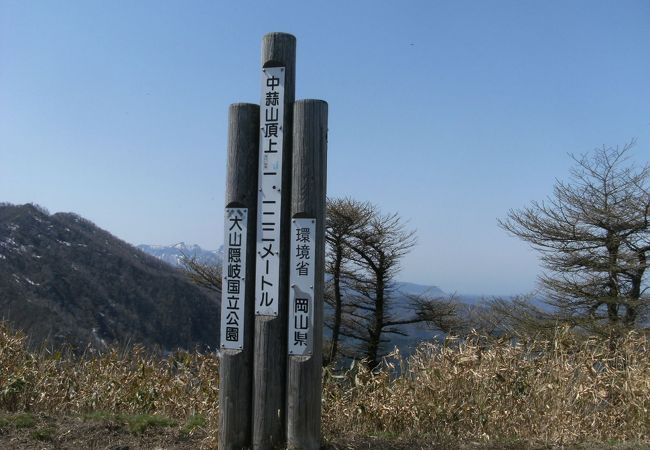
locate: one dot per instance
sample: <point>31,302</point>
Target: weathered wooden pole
<point>238,288</point>
<point>305,337</point>
<point>272,263</point>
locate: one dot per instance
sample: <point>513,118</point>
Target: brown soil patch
<point>106,433</point>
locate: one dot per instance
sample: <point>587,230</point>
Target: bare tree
<point>439,312</point>
<point>345,217</point>
<point>375,254</point>
<point>594,237</point>
<point>202,274</point>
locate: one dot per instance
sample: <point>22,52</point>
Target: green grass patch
<point>44,434</point>
<point>24,420</point>
<point>194,422</point>
<point>141,422</point>
<point>388,435</point>
<point>136,423</point>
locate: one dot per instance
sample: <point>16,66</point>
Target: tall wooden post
<point>235,385</point>
<point>269,379</point>
<point>305,337</point>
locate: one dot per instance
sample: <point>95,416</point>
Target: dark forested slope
<point>65,280</point>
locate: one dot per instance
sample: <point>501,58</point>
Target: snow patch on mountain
<point>174,254</point>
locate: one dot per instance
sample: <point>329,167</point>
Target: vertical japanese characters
<point>269,196</point>
<point>233,286</point>
<point>301,292</point>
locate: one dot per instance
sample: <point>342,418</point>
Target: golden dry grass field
<point>471,394</point>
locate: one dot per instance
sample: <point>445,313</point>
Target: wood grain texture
<point>269,378</point>
<point>235,384</point>
<point>309,187</point>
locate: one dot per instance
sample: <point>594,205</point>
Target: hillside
<point>65,280</point>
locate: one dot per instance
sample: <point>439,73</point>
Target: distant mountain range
<point>174,254</point>
<point>65,280</point>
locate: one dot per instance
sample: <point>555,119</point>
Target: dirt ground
<point>366,443</point>
<point>106,432</point>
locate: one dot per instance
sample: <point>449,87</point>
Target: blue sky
<point>449,113</point>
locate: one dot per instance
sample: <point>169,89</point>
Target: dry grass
<point>558,392</point>
<point>180,387</point>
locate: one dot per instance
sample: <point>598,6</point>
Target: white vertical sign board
<point>267,263</point>
<point>301,290</point>
<point>233,288</point>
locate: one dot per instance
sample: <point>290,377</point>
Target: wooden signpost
<point>273,275</point>
<point>269,378</point>
<point>236,380</point>
<point>305,339</point>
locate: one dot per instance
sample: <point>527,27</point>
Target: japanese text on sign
<point>234,273</point>
<point>269,197</point>
<point>301,291</point>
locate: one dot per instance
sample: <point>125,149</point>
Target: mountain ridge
<point>65,280</point>
<point>174,254</point>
